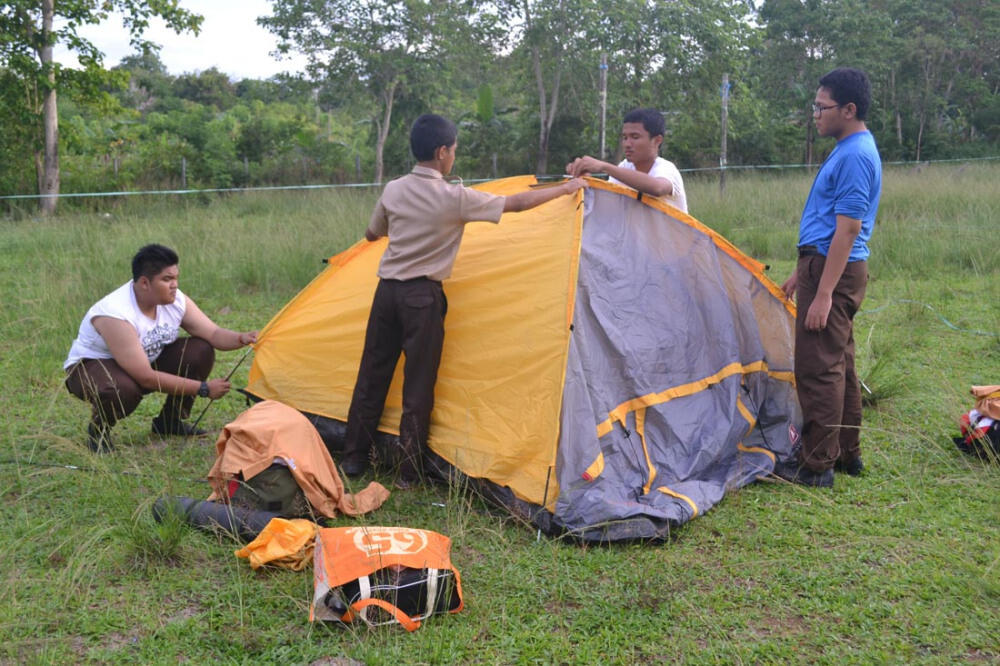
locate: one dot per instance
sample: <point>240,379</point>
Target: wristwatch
<point>203,390</point>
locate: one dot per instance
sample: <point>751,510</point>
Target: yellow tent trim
<point>755,267</point>
<point>649,400</point>
<point>751,419</point>
<point>756,449</point>
<point>640,427</point>
<point>595,469</point>
<point>784,376</point>
<point>668,491</point>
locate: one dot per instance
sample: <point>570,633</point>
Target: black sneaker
<point>175,427</point>
<point>796,473</point>
<point>99,438</point>
<point>853,467</point>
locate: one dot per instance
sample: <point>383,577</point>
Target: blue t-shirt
<point>849,183</point>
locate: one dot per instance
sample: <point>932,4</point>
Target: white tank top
<point>154,334</point>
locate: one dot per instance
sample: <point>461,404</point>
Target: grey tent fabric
<point>658,307</point>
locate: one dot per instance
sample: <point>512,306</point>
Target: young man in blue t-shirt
<point>829,282</point>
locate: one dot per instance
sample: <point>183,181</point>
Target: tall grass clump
<point>151,542</point>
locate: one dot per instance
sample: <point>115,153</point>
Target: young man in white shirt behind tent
<point>642,169</point>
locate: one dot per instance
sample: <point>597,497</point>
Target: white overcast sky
<point>230,40</point>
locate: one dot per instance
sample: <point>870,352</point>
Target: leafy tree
<point>16,137</point>
<point>279,88</point>
<point>382,47</point>
<point>27,37</point>
<point>519,76</point>
<point>550,37</point>
<point>932,63</point>
<point>209,87</point>
<point>148,80</point>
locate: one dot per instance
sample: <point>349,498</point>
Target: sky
<point>230,40</point>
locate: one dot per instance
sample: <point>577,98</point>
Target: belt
<point>809,251</point>
<point>422,278</point>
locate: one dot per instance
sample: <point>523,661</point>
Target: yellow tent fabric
<point>510,305</point>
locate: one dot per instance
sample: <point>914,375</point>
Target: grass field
<point>901,565</point>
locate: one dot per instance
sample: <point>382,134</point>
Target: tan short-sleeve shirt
<point>424,217</point>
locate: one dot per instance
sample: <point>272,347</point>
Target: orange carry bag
<point>383,575</point>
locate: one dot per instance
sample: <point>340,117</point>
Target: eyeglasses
<point>818,110</point>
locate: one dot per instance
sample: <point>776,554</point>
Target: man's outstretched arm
<point>658,187</point>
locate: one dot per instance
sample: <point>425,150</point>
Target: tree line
<point>522,78</point>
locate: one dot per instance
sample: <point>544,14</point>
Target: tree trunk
<point>383,130</point>
<point>895,106</point>
<point>50,118</point>
<point>920,133</point>
<point>543,135</point>
<point>547,107</point>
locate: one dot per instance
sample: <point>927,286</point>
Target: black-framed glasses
<point>818,110</point>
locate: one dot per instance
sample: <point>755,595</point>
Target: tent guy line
<point>947,323</point>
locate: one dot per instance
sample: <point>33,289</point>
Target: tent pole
<point>198,420</point>
<point>545,499</point>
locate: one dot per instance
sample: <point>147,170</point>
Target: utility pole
<point>725,123</point>
<point>604,98</point>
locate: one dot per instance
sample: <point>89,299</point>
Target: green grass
<point>899,566</point>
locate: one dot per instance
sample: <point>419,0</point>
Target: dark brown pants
<point>408,317</point>
<point>825,377</point>
<point>113,394</point>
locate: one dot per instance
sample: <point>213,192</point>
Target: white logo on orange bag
<point>374,541</point>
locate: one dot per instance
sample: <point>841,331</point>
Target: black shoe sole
<point>803,476</point>
<point>354,471</point>
<point>853,468</point>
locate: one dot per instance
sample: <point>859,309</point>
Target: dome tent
<point>611,366</point>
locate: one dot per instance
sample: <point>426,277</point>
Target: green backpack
<point>274,490</point>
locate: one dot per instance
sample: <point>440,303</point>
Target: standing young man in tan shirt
<point>424,217</point>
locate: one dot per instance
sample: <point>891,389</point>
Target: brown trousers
<point>406,316</point>
<point>825,377</point>
<point>113,394</point>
